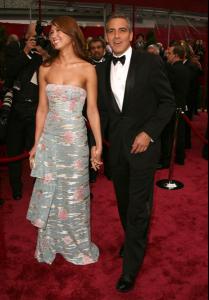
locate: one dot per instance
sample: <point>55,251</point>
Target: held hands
<point>141,143</point>
<point>96,161</point>
<point>32,157</point>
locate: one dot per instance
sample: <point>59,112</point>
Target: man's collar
<point>127,53</point>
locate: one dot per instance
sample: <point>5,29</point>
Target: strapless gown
<point>60,203</point>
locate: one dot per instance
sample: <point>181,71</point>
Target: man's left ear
<point>131,36</point>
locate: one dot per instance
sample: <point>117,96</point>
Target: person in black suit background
<point>179,77</point>
<point>137,103</point>
<point>196,71</point>
<point>97,50</point>
<point>22,80</point>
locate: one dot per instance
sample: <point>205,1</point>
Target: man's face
<point>170,55</point>
<point>97,50</point>
<point>119,35</point>
<point>140,38</point>
<point>31,42</point>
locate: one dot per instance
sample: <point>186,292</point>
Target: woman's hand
<point>96,158</point>
<point>32,157</point>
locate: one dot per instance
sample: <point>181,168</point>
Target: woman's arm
<point>93,116</point>
<point>42,110</point>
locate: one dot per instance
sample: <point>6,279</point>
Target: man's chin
<point>119,52</point>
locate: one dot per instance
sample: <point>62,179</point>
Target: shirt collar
<point>128,53</point>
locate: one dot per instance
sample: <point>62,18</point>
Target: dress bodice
<point>66,99</point>
<point>66,103</point>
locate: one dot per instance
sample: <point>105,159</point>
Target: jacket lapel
<point>130,81</point>
<point>111,96</point>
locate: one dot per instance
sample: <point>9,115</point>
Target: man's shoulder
<point>146,58</point>
<point>181,67</point>
<point>101,67</point>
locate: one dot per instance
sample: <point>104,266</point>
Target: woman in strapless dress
<point>60,203</point>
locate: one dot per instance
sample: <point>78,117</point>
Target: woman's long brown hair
<point>70,27</point>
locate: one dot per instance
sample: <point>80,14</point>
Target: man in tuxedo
<point>97,48</point>
<point>196,71</point>
<point>22,79</point>
<point>179,77</point>
<point>137,102</point>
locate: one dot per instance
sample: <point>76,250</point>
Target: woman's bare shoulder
<point>44,70</point>
<point>86,64</point>
<point>89,68</point>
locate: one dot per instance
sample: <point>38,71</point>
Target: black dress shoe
<point>121,253</point>
<point>125,284</point>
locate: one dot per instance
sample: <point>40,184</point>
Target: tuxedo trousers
<point>20,137</point>
<point>134,191</point>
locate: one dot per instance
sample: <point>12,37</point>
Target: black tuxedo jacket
<point>179,77</point>
<point>195,73</point>
<point>148,106</point>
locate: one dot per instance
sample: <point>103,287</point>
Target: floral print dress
<point>60,203</point>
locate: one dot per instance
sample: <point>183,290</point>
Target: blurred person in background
<point>87,45</point>
<point>153,49</point>
<point>22,82</point>
<point>162,50</point>
<point>179,77</point>
<point>3,40</point>
<point>195,69</point>
<point>13,38</point>
<point>140,42</point>
<point>97,49</point>
<point>199,50</point>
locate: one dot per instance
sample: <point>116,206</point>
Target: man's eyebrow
<point>121,28</point>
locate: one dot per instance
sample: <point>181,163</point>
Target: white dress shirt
<point>118,77</point>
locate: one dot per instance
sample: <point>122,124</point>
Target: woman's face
<point>59,39</point>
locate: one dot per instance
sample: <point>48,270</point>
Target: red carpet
<point>175,267</point>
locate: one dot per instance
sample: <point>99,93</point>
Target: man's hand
<point>30,44</point>
<point>141,143</point>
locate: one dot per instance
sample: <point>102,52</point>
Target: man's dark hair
<point>97,40</point>
<point>118,16</point>
<point>140,35</point>
<point>179,50</point>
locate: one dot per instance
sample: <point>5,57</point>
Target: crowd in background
<point>19,65</point>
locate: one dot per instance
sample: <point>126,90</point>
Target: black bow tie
<point>121,59</point>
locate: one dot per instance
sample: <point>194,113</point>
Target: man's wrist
<point>147,135</point>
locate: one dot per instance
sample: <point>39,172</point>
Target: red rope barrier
<point>7,160</point>
<point>187,120</point>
